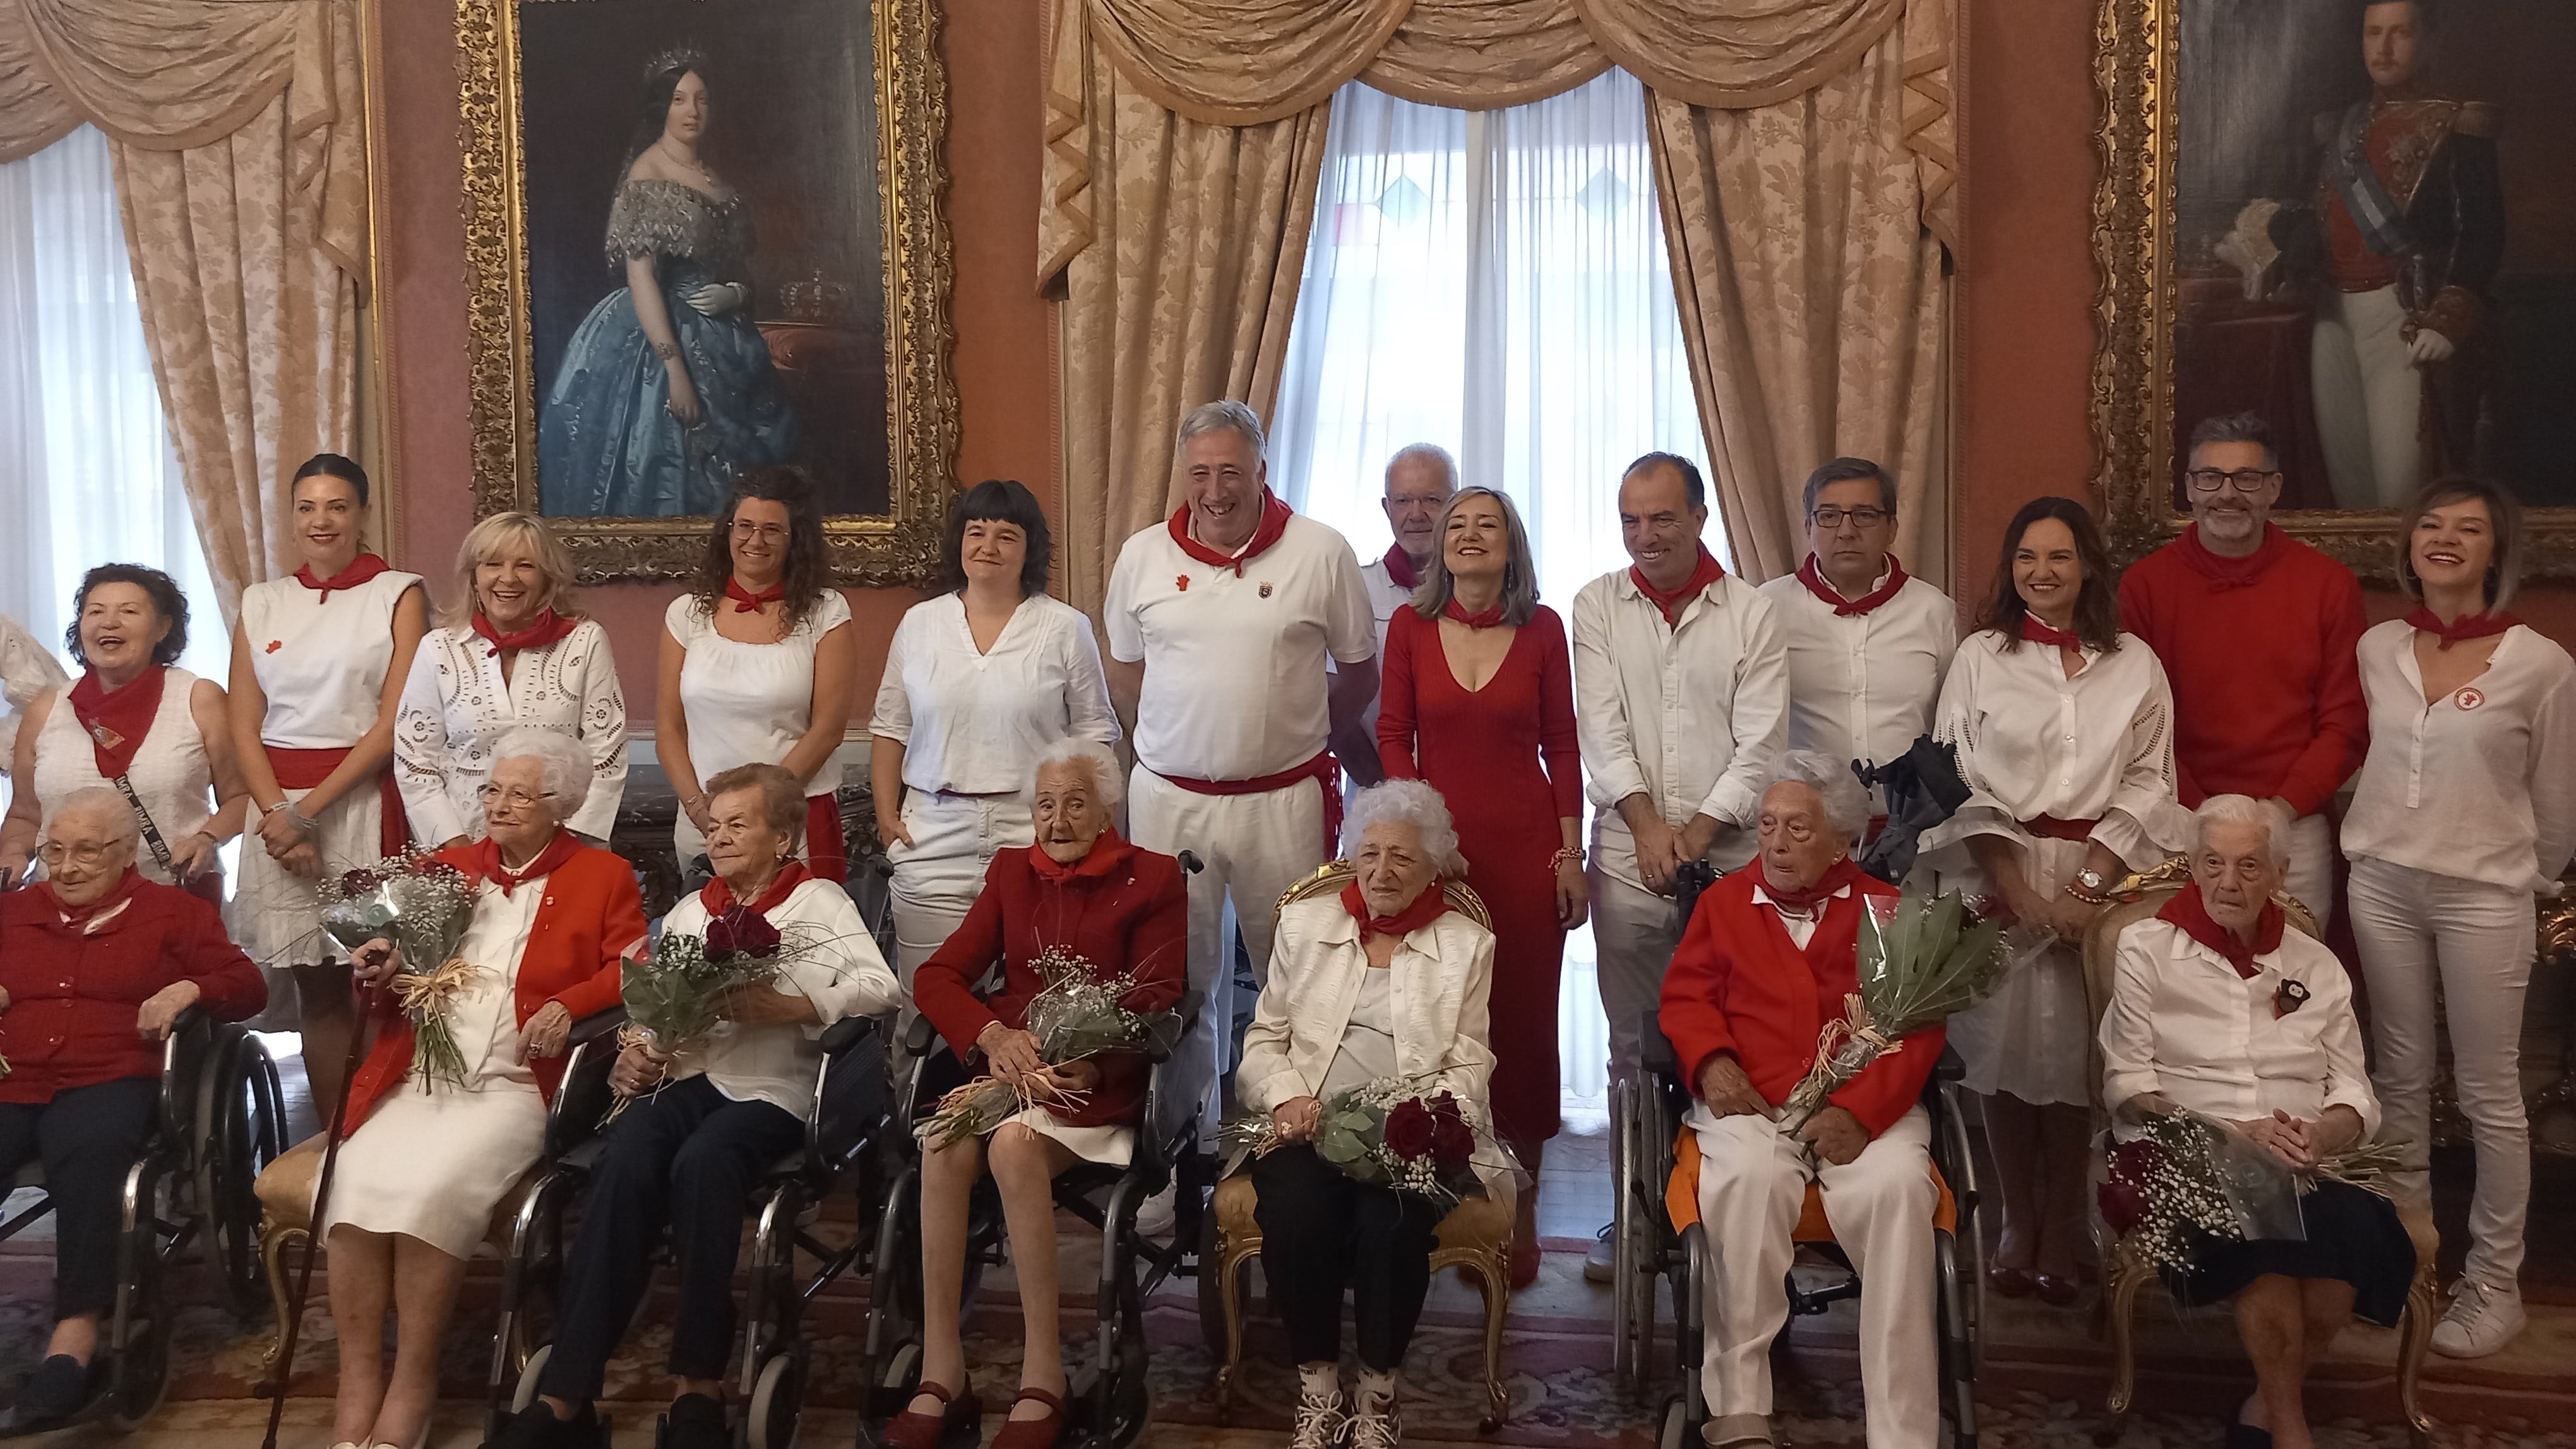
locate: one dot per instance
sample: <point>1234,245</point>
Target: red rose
<point>1453,1142</point>
<point>2123,1204</point>
<point>442,870</point>
<point>2137,1159</point>
<point>358,882</point>
<point>1409,1130</point>
<point>741,932</point>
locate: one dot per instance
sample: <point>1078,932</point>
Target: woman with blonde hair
<point>511,652</point>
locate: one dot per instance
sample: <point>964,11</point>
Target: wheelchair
<point>789,1263</point>
<point>221,1118</point>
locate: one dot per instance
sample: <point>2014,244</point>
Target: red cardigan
<point>591,916</point>
<point>1124,909</point>
<point>1737,985</point>
<point>2263,656</point>
<point>74,997</point>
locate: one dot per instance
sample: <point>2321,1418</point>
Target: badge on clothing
<point>1265,591</point>
<point>2469,697</point>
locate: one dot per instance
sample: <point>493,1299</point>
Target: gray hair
<point>1431,453</point>
<point>1409,802</point>
<point>2246,810</point>
<point>1224,415</point>
<point>1851,470</point>
<point>565,763</point>
<point>2237,428</point>
<point>104,801</point>
<point>1107,781</point>
<point>1846,802</point>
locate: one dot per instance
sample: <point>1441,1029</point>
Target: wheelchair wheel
<point>1129,1404</point>
<point>776,1398</point>
<point>1211,1289</point>
<point>140,1373</point>
<point>238,1139</point>
<point>1675,1431</point>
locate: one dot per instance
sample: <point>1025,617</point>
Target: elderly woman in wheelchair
<point>700,1127</point>
<point>1767,958</point>
<point>2217,1009</point>
<point>96,963</point>
<point>1080,893</point>
<point>1384,980</point>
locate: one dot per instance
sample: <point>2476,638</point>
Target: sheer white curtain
<point>1494,282</point>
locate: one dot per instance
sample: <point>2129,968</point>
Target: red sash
<point>1324,770</point>
<point>304,769</point>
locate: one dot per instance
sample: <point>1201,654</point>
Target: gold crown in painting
<point>681,57</point>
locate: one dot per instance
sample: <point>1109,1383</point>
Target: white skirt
<point>431,1163</point>
<point>2033,1038</point>
<point>1111,1145</point>
<point>275,916</point>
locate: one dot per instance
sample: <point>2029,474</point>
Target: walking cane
<point>273,1387</point>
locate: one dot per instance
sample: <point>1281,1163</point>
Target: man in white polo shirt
<point>1681,694</point>
<point>1868,644</point>
<point>1419,479</point>
<point>1220,622</point>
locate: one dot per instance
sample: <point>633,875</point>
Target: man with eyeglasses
<point>2258,633</point>
<point>1419,479</point>
<point>1868,643</point>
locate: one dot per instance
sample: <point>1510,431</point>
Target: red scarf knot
<point>1107,855</point>
<point>543,630</point>
<point>1706,572</point>
<point>2188,912</point>
<point>1426,908</point>
<point>1274,522</point>
<point>362,568</point>
<point>1399,567</point>
<point>1841,875</point>
<point>1480,619</point>
<point>79,917</point>
<point>116,721</point>
<point>747,602</point>
<point>483,861</point>
<point>719,899</point>
<point>2467,626</point>
<point>2038,633</point>
<point>1813,576</point>
<point>2223,572</point>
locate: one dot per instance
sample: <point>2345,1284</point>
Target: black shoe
<point>536,1427</point>
<point>57,1389</point>
<point>2241,1435</point>
<point>695,1421</point>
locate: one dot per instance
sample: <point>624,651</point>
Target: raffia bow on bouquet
<point>1074,1016</point>
<point>423,906</point>
<point>675,996</point>
<point>1921,961</point>
<point>1404,1132</point>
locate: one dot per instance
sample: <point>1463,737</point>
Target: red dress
<point>1483,752</point>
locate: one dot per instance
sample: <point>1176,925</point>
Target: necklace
<point>699,167</point>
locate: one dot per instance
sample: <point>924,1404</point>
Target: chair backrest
<point>850,1098</point>
<point>1332,875</point>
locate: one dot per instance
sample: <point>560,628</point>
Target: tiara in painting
<point>680,57</point>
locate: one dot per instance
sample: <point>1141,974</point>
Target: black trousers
<point>1320,1232</point>
<point>88,1138</point>
<point>686,1156</point>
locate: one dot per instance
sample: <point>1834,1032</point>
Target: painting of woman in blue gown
<point>666,391</point>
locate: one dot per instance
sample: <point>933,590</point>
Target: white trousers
<point>938,876</point>
<point>2369,399</point>
<point>1634,932</point>
<point>2472,941</point>
<point>1254,848</point>
<point>1752,1182</point>
<point>2312,858</point>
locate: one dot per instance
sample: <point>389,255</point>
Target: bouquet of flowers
<point>1393,1132</point>
<point>2187,1181</point>
<point>422,906</point>
<point>672,996</point>
<point>1921,962</point>
<point>1074,1016</point>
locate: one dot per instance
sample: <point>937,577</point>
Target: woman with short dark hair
<point>980,678</point>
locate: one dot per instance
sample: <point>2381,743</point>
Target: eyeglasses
<point>2247,480</point>
<point>54,853</point>
<point>765,532</point>
<point>512,796</point>
<point>1831,517</point>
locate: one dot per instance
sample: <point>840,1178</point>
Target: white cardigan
<point>1442,977</point>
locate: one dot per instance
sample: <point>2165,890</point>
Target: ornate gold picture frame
<point>2191,178</point>
<point>825,280</point>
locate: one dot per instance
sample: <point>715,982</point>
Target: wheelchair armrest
<point>920,1038</point>
<point>596,1025</point>
<point>1950,1068</point>
<point>1188,1009</point>
<point>1655,1050</point>
<point>846,1033</point>
<point>1190,862</point>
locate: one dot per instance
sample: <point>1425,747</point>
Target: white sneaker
<point>2482,1319</point>
<point>1321,1422</point>
<point>1375,1426</point>
<point>1601,1260</point>
<point>1154,1214</point>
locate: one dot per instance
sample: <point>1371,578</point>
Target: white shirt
<point>27,669</point>
<point>485,1015</point>
<point>2482,784</point>
<point>973,723</point>
<point>455,708</point>
<point>1234,667</point>
<point>2033,742</point>
<point>321,657</point>
<point>1801,929</point>
<point>1863,686</point>
<point>836,967</point>
<point>2183,1023</point>
<point>748,704</point>
<point>171,772</point>
<point>1692,715</point>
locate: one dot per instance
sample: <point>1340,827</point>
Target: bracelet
<point>304,824</point>
<point>282,804</point>
<point>1570,855</point>
<point>2089,898</point>
<point>667,351</point>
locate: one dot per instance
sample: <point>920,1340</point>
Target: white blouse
<point>27,669</point>
<point>748,704</point>
<point>171,773</point>
<point>2480,784</point>
<point>2033,742</point>
<point>972,723</point>
<point>321,657</point>
<point>2181,1022</point>
<point>837,968</point>
<point>455,708</point>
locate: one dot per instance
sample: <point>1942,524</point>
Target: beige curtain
<point>238,128</point>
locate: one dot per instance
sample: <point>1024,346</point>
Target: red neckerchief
<point>2189,912</point>
<point>1814,578</point>
<point>1705,573</point>
<point>1841,874</point>
<point>1481,619</point>
<point>79,917</point>
<point>719,900</point>
<point>2038,633</point>
<point>362,568</point>
<point>747,602</point>
<point>117,722</point>
<point>1107,854</point>
<point>1274,522</point>
<point>2223,572</point>
<point>548,627</point>
<point>1426,908</point>
<point>1399,567</point>
<point>2467,626</point>
<point>484,861</point>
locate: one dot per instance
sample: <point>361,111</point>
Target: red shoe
<point>1524,1265</point>
<point>1038,1433</point>
<point>914,1430</point>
